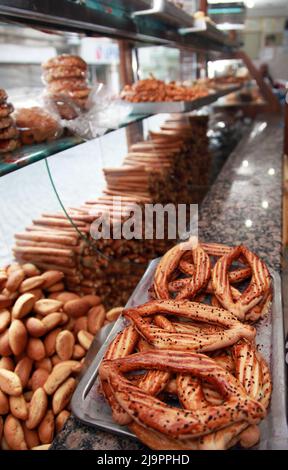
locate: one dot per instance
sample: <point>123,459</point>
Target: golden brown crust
<point>6,122</point>
<point>65,60</point>
<point>176,258</point>
<point>3,95</point>
<point>67,86</point>
<point>153,90</point>
<point>9,133</point>
<point>56,73</point>
<point>165,268</point>
<point>161,339</point>
<point>79,94</point>
<point>8,145</point>
<point>158,441</point>
<point>223,397</point>
<point>235,277</point>
<point>176,422</point>
<point>122,345</point>
<point>6,109</point>
<point>192,259</point>
<point>36,125</point>
<point>200,276</point>
<point>253,294</point>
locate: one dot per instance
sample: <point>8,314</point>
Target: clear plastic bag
<point>35,123</point>
<point>101,111</point>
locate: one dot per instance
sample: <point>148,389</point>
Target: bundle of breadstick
<point>172,166</point>
<point>108,267</point>
<point>45,332</point>
<point>162,169</point>
<point>186,375</point>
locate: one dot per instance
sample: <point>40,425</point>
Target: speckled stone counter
<point>244,205</point>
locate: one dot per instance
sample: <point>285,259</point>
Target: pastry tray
<point>158,107</point>
<point>89,405</point>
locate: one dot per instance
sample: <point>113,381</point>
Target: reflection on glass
<point>248,223</point>
<point>271,171</point>
<point>265,204</point>
<point>245,163</point>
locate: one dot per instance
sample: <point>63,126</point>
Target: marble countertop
<point>244,205</point>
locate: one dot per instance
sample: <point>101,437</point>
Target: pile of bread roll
<point>45,332</point>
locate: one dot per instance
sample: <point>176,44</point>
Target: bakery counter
<point>243,205</point>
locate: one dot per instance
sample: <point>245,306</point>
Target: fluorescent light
<point>230,26</point>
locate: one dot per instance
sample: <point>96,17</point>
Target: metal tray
<point>90,407</point>
<point>158,107</point>
<point>167,12</point>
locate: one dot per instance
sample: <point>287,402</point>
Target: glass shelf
<point>33,153</point>
<point>30,154</point>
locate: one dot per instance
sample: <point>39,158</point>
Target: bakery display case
<point>66,294</point>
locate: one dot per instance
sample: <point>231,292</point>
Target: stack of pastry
<point>186,375</point>
<point>66,75</point>
<point>8,131</point>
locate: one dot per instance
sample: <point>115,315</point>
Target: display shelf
<point>206,29</point>
<point>113,19</point>
<point>180,106</point>
<point>32,153</point>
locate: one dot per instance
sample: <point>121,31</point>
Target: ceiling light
<point>250,3</point>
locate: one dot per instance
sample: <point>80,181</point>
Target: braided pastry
<point>253,294</point>
<point>230,331</point>
<point>222,394</point>
<point>192,259</point>
<point>176,422</point>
